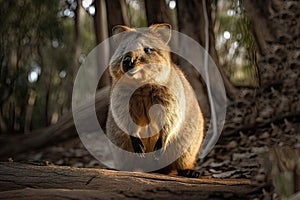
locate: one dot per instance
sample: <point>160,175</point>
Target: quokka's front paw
<point>138,146</point>
<point>189,173</point>
<point>158,148</point>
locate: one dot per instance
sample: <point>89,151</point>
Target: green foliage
<point>27,26</point>
<point>137,13</point>
<point>237,54</point>
<point>88,34</point>
<point>36,39</point>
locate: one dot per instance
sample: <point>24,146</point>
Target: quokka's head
<point>141,54</point>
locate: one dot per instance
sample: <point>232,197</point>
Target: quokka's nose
<point>128,63</point>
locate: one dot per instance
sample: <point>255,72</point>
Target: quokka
<point>142,57</point>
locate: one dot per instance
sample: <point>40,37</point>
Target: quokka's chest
<point>147,96</point>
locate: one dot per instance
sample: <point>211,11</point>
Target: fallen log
<point>26,181</point>
<point>62,131</point>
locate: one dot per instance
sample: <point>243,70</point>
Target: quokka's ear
<point>163,30</point>
<point>119,29</point>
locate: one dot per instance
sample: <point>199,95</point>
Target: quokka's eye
<point>147,50</point>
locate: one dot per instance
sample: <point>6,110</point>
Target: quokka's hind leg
<point>189,173</point>
<point>160,145</point>
<point>186,164</point>
<point>188,170</point>
<point>138,146</point>
<point>158,148</point>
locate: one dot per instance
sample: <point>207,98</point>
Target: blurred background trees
<point>43,44</point>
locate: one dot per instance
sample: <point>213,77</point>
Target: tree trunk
<point>258,13</point>
<point>158,12</point>
<point>19,181</point>
<point>29,111</point>
<point>188,13</point>
<point>78,15</point>
<point>3,126</point>
<point>114,14</point>
<point>101,32</point>
<point>100,21</point>
<point>108,14</point>
<point>74,65</point>
<point>191,22</point>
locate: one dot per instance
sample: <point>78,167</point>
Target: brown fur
<point>164,82</point>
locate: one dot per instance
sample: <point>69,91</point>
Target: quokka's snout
<point>127,63</point>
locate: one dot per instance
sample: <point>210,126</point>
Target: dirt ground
<point>236,155</point>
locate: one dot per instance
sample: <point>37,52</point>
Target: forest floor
<point>239,155</point>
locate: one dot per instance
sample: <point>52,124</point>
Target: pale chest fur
<point>146,111</point>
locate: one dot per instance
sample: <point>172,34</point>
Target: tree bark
<point>51,182</point>
<point>108,14</point>
<point>78,16</point>
<point>114,14</point>
<point>74,64</point>
<point>158,12</point>
<point>191,22</point>
<point>100,21</point>
<point>101,32</point>
<point>187,13</point>
<point>262,30</point>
